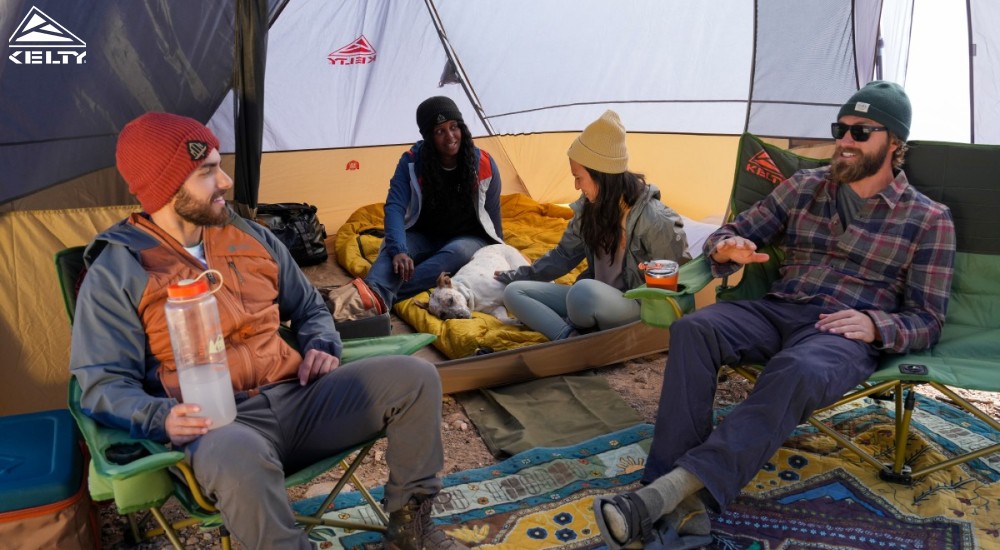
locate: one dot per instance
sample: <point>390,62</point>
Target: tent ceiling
<point>773,67</point>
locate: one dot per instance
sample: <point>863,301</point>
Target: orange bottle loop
<point>190,289</point>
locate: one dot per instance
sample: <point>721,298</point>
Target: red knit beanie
<point>157,152</point>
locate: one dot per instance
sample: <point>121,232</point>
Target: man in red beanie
<point>292,409</point>
<point>866,268</point>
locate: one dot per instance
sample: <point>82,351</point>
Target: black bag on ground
<point>296,225</point>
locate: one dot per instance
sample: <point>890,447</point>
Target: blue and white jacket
<point>402,206</point>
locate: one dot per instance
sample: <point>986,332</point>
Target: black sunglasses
<point>859,132</point>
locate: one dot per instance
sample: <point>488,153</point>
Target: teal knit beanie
<point>884,102</point>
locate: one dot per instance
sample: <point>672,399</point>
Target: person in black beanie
<point>443,205</point>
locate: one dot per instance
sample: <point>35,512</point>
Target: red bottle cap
<point>187,288</point>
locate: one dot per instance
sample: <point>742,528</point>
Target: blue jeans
<point>430,256</point>
<point>804,369</point>
<point>556,310</point>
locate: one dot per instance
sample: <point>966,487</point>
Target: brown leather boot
<point>411,528</point>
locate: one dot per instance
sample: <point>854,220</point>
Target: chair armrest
<point>661,307</point>
<point>99,439</point>
<point>691,278</point>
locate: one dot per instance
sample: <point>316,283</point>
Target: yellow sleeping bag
<point>531,227</point>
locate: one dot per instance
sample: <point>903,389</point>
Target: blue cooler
<point>43,498</point>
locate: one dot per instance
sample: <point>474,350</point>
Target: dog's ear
<point>420,303</point>
<point>443,280</point>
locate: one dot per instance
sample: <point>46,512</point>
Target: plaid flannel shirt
<point>894,262</point>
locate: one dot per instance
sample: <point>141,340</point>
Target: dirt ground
<point>638,381</point>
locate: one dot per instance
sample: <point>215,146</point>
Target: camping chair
<point>137,473</point>
<point>968,353</point>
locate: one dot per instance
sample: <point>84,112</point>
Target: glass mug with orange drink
<point>661,274</point>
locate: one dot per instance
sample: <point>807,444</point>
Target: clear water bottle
<point>200,350</point>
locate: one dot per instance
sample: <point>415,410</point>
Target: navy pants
<point>805,369</point>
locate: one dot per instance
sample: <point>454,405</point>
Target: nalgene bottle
<point>200,350</point>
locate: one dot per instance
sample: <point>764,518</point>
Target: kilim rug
<point>811,494</point>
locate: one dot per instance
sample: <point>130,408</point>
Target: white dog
<point>474,288</point>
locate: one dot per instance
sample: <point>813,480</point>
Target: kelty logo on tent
<point>762,166</point>
<point>40,40</point>
<point>359,52</point>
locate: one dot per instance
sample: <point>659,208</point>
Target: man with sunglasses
<point>866,268</point>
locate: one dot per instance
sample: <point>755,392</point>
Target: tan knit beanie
<point>157,152</point>
<point>601,145</point>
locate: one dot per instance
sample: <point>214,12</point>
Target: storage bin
<point>44,501</point>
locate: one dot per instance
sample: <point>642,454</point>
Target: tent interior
<point>314,101</point>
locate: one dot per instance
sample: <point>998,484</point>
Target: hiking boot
<point>411,528</point>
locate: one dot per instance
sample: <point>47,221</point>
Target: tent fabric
<point>34,332</point>
<point>549,412</point>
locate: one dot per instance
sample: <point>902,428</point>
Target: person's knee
<point>512,291</point>
<point>404,371</point>
<point>585,291</point>
<point>231,453</point>
<point>420,370</point>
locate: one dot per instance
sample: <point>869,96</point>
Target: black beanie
<point>435,110</point>
<point>884,102</point>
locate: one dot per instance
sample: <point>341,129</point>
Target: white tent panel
<point>691,117</point>
<point>791,95</point>
<point>986,71</point>
<point>314,103</point>
<point>897,19</point>
<point>560,53</point>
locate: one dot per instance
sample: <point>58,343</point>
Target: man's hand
<point>402,265</point>
<point>739,250</point>
<point>849,323</point>
<point>182,428</point>
<point>316,363</point>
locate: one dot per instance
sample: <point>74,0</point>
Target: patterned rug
<point>811,494</point>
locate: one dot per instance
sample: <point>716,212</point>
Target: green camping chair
<point>968,354</point>
<point>137,474</point>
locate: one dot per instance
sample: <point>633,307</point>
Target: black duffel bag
<point>296,225</point>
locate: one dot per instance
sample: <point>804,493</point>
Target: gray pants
<point>554,309</point>
<point>287,427</point>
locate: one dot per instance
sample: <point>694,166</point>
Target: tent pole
<point>250,53</point>
<point>972,74</point>
<point>463,77</point>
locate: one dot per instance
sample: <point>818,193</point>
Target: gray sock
<point>690,517</point>
<point>663,495</point>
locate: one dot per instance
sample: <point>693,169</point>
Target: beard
<point>864,165</point>
<point>199,213</point>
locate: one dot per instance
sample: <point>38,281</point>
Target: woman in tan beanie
<point>618,222</point>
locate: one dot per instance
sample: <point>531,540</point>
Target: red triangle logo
<point>762,166</point>
<point>360,46</point>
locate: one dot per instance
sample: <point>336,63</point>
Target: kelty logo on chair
<point>197,150</point>
<point>359,52</point>
<point>40,40</point>
<point>762,166</point>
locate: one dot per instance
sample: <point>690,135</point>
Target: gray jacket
<point>111,357</point>
<point>653,231</point>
